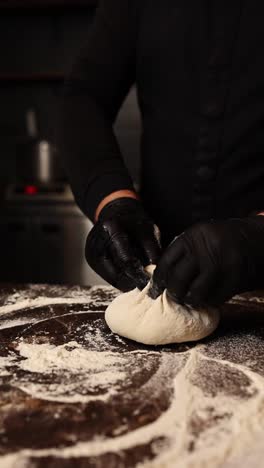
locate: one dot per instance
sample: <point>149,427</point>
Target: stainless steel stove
<point>42,236</point>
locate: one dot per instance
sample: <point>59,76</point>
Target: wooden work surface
<point>74,395</point>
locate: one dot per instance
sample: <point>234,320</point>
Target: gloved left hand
<point>210,262</point>
<point>122,242</point>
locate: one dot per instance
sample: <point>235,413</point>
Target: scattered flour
<point>79,372</point>
<point>5,363</point>
<point>238,422</point>
<point>70,357</point>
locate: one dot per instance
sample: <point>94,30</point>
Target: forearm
<point>114,196</point>
<point>92,156</point>
<point>94,91</point>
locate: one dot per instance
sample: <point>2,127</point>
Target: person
<point>199,74</point>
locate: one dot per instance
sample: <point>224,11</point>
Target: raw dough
<point>161,321</point>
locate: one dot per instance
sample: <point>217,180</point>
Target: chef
<point>199,71</point>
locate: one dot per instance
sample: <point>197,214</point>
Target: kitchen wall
<point>36,47</point>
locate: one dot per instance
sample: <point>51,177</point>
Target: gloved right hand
<point>122,242</point>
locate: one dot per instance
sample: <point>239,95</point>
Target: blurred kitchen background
<point>42,232</point>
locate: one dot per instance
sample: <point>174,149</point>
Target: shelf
<point>10,5</point>
<point>12,78</point>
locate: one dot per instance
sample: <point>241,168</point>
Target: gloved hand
<point>211,262</point>
<point>123,241</point>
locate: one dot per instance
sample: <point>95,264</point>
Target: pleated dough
<point>136,316</point>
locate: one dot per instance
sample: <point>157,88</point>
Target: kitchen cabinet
<point>40,39</point>
<point>45,4</point>
<point>24,78</point>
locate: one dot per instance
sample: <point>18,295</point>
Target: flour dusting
<point>94,370</point>
<point>215,408</point>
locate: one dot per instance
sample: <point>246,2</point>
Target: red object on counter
<point>30,190</point>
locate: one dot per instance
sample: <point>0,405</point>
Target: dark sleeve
<point>94,90</point>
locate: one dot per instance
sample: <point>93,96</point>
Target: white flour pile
<point>45,358</point>
<point>230,422</point>
<point>95,370</point>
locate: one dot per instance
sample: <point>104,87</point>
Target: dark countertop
<point>74,395</point>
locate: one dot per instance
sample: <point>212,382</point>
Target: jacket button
<point>206,156</point>
<point>205,173</point>
<point>213,109</point>
<point>203,140</point>
<point>201,188</point>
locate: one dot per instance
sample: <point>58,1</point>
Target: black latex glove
<point>123,241</point>
<point>213,261</point>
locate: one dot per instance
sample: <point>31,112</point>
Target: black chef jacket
<point>199,70</point>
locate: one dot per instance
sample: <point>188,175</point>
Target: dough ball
<point>136,316</point>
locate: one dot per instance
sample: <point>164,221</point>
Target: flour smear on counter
<point>233,423</point>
